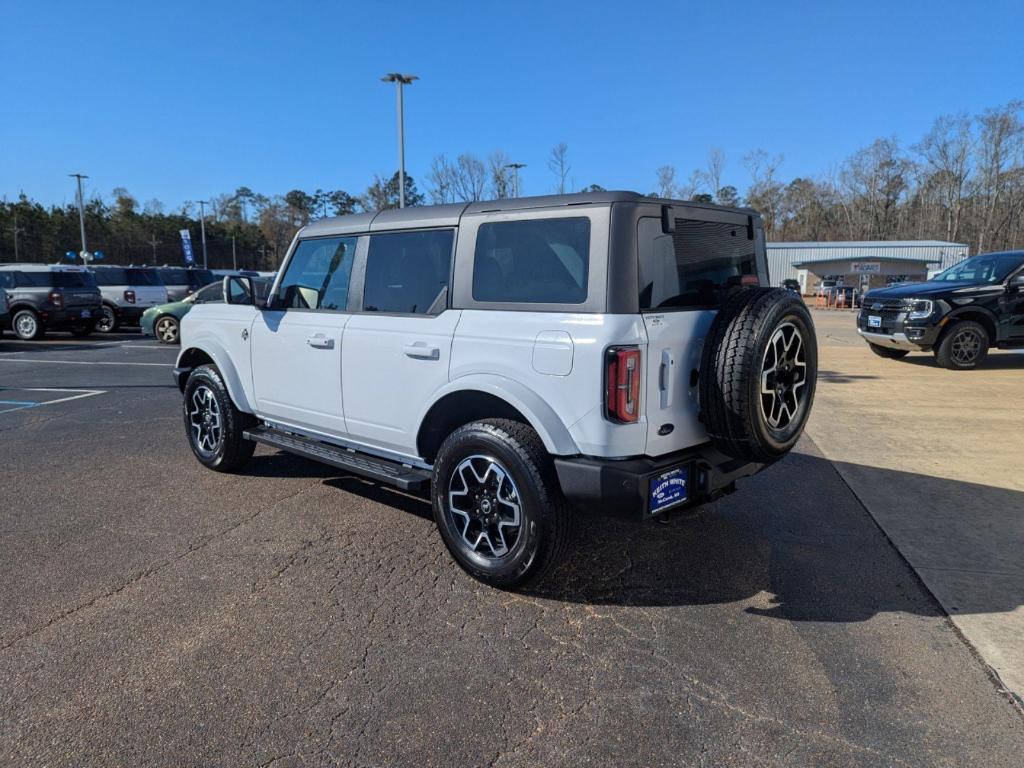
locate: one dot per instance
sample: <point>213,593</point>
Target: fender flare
<point>968,309</point>
<point>213,349</point>
<point>541,416</point>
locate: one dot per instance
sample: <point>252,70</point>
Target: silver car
<point>127,293</point>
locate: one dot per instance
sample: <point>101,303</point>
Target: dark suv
<point>958,314</point>
<point>43,298</point>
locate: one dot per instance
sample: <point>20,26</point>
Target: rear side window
<point>318,274</point>
<point>694,267</point>
<point>173,276</point>
<point>535,261</point>
<point>8,279</point>
<point>110,276</point>
<point>201,277</point>
<point>408,272</point>
<point>142,277</point>
<point>63,279</point>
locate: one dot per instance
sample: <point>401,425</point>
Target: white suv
<point>604,349</point>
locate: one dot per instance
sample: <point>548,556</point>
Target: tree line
<point>963,181</point>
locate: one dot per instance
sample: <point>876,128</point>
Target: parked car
<point>164,321</point>
<point>825,286</point>
<point>127,293</point>
<point>44,298</point>
<point>847,295</point>
<point>183,281</point>
<point>514,356</point>
<point>958,315</point>
<point>791,285</point>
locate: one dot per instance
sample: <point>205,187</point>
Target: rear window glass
<point>694,267</point>
<point>172,276</point>
<point>535,261</point>
<point>110,276</point>
<point>408,272</point>
<point>142,277</point>
<point>201,277</point>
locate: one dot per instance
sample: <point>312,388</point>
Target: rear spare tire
<point>758,372</point>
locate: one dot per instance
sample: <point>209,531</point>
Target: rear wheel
<point>166,330</point>
<point>107,320</point>
<point>215,426</point>
<point>758,374</point>
<point>964,346</point>
<point>497,502</point>
<point>26,325</point>
<point>889,352</point>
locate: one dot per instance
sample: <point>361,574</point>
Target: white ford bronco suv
<point>524,360</point>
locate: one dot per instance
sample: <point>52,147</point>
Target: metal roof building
<point>783,256</point>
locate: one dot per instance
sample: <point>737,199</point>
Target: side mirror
<point>240,289</point>
<point>1017,282</point>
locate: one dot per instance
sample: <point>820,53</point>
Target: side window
<point>535,261</point>
<point>7,279</point>
<point>408,272</point>
<point>318,274</point>
<point>695,266</point>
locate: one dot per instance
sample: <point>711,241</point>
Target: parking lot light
<point>400,80</point>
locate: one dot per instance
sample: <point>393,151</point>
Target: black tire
<point>739,418</point>
<point>206,394</point>
<point>167,330</point>
<point>963,347</point>
<point>107,321</point>
<point>889,352</point>
<point>543,513</point>
<point>26,325</point>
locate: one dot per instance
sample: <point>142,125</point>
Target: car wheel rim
<point>484,506</point>
<point>204,419</point>
<point>783,377</point>
<point>167,330</point>
<point>106,322</point>
<point>966,346</point>
<point>26,325</point>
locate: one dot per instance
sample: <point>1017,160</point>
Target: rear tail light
<point>57,298</point>
<point>746,280</point>
<point>129,296</point>
<point>622,384</point>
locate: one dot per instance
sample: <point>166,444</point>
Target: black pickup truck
<point>959,314</point>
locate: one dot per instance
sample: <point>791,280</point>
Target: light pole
<point>515,177</point>
<point>202,227</point>
<point>81,214</point>
<point>154,242</point>
<point>400,80</point>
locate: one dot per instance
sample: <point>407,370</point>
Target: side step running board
<point>391,472</point>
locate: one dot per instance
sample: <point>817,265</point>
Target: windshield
<point>987,268</point>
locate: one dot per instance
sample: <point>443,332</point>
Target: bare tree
<point>469,177</point>
<point>501,175</point>
<point>693,186</point>
<point>946,150</point>
<point>715,168</point>
<point>766,192</point>
<point>877,178</point>
<point>441,181</point>
<point>998,151</point>
<point>558,162</point>
<point>666,181</point>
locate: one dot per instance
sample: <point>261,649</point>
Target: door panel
<point>391,366</point>
<point>296,369</point>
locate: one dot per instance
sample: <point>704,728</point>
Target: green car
<point>164,321</point>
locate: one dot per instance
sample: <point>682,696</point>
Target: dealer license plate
<point>874,321</point>
<point>86,313</point>
<point>668,489</point>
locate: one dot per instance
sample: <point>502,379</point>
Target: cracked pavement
<point>154,613</point>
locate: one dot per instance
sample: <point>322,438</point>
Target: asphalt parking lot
<point>156,613</point>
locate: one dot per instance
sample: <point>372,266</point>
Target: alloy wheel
<point>204,420</point>
<point>484,506</point>
<point>167,330</point>
<point>966,346</point>
<point>783,376</point>
<point>105,323</point>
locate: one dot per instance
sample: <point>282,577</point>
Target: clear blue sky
<point>181,100</point>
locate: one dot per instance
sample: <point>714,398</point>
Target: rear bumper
<point>622,486</point>
<point>66,318</point>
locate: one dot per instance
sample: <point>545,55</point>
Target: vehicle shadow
<point>997,360</point>
<point>794,543</point>
<point>834,377</point>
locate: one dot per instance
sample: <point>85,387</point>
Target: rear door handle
<point>319,341</point>
<point>665,378</point>
<point>422,351</point>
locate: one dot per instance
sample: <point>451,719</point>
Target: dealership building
<point>862,264</point>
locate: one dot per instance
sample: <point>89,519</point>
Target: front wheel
<point>215,426</point>
<point>889,352</point>
<point>497,502</point>
<point>963,347</point>
<point>166,330</point>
